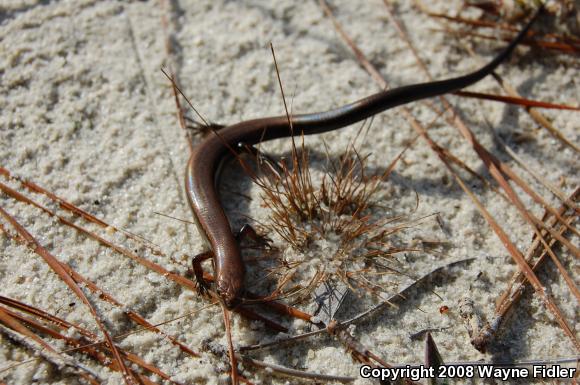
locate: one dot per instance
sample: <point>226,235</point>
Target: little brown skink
<point>206,157</point>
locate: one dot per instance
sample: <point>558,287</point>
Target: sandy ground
<point>86,113</point>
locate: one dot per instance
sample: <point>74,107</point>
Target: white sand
<point>86,113</point>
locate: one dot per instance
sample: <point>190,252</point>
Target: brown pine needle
<point>519,101</point>
<point>11,321</point>
<point>572,40</point>
<point>516,287</point>
<point>56,266</point>
<point>80,344</point>
<point>538,116</point>
<point>389,302</point>
<point>494,167</point>
<point>549,45</point>
<point>35,188</point>
<point>121,250</point>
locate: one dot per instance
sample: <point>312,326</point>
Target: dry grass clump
<point>336,227</point>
